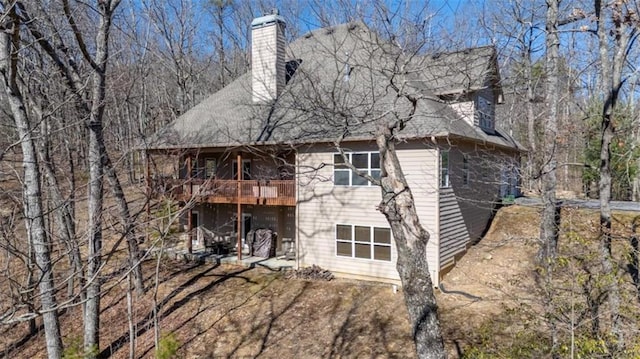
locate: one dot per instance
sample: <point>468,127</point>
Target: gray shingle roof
<point>346,83</point>
<point>460,71</point>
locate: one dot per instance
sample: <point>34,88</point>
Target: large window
<point>365,162</point>
<point>444,168</point>
<point>363,242</point>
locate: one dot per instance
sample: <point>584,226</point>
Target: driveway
<point>583,203</point>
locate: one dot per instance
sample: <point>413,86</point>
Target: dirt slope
<point>498,270</point>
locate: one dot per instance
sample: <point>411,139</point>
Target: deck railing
<point>268,192</point>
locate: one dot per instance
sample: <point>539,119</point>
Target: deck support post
<point>239,208</point>
<point>189,213</point>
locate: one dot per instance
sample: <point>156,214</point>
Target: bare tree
<point>551,210</point>
<point>549,223</point>
<point>93,106</point>
<point>411,240</point>
<point>525,31</point>
<point>177,46</point>
<point>33,210</point>
<point>96,171</point>
<point>617,30</point>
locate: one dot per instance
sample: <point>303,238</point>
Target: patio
<point>204,256</point>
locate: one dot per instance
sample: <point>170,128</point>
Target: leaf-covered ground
<point>230,312</point>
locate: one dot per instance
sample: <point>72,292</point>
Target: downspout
<point>436,271</point>
<point>297,212</point>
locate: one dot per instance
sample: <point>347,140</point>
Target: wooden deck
<point>267,192</point>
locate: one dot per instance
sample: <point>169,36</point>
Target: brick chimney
<point>267,57</point>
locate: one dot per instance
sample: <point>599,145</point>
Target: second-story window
<point>209,167</point>
<point>246,169</point>
<point>364,162</point>
<point>484,113</point>
<point>196,168</point>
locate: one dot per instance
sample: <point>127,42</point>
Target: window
<point>366,162</point>
<point>465,170</point>
<point>246,169</point>
<point>209,167</point>
<point>444,168</point>
<point>363,242</point>
<point>347,68</point>
<point>196,168</point>
<point>484,115</point>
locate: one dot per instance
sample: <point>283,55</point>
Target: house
<point>267,150</point>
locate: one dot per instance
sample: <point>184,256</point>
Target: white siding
<point>466,110</point>
<point>421,169</point>
<point>268,66</point>
<point>481,101</point>
<point>322,205</point>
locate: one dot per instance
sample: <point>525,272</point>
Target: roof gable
<point>462,71</point>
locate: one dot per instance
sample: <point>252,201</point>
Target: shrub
<point>167,346</point>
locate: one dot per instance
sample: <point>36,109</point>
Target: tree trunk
<point>95,114</point>
<point>31,284</point>
<point>411,241</point>
<point>94,244</point>
<point>130,318</point>
<point>96,171</point>
<point>63,216</point>
<point>635,192</point>
<point>550,213</point>
<point>606,257</point>
<point>66,226</point>
<point>532,161</point>
<point>128,225</point>
<point>33,213</point>
<point>610,83</point>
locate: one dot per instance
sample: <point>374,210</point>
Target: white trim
<point>372,243</point>
<point>369,170</point>
<point>440,179</point>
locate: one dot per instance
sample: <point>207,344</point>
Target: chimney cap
<point>266,20</point>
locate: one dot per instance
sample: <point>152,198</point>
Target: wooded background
<point>87,83</point>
